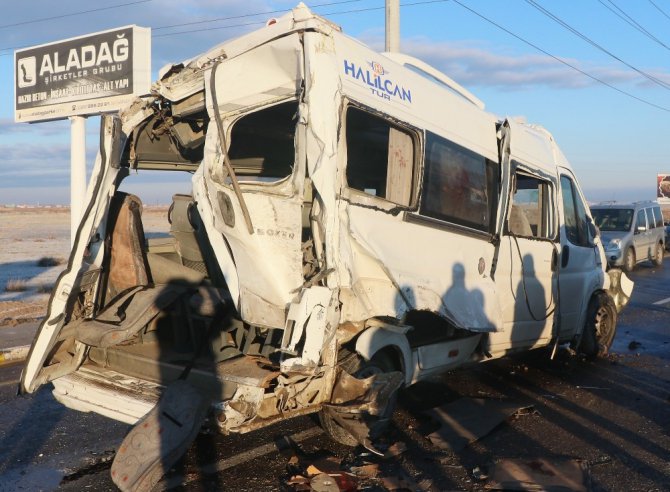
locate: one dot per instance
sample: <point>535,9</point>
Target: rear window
<point>658,216</point>
<point>651,222</point>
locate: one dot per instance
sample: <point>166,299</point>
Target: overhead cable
<point>582,36</point>
<point>72,14</point>
<point>592,77</point>
<point>659,9</point>
<point>632,22</point>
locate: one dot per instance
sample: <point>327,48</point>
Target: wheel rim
<point>630,259</point>
<point>604,326</point>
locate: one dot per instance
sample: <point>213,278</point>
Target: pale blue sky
<point>616,143</point>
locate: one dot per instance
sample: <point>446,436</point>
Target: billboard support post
<point>77,172</point>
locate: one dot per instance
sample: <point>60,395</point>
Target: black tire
<point>629,260</point>
<point>599,327</point>
<point>355,365</point>
<point>657,260</point>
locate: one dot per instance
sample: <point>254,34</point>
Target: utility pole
<point>393,25</point>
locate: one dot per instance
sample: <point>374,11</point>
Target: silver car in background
<point>631,232</point>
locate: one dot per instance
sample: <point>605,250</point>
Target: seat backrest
<point>128,261</point>
<point>191,239</point>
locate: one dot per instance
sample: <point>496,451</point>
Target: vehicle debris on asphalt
<point>551,475</point>
<point>468,419</point>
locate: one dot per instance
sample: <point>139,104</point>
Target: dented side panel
<point>265,263</point>
<point>457,286</point>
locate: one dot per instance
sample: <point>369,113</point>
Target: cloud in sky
<point>8,127</point>
<point>473,64</point>
<point>36,164</point>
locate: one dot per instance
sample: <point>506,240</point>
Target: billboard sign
<point>663,188</point>
<point>92,74</point>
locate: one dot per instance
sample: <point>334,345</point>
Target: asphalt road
<point>613,415</point>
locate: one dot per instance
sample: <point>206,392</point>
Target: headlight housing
<point>614,244</point>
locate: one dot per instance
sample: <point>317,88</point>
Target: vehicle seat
<point>190,238</point>
<point>518,223</point>
<point>128,262</point>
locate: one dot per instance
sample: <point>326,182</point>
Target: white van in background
<point>354,226</point>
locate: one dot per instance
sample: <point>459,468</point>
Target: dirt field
<point>35,248</point>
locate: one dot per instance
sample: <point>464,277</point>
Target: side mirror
<point>640,229</point>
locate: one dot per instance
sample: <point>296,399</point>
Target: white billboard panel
<point>663,188</point>
<point>92,74</point>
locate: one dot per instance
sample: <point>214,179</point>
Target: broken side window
<point>530,212</point>
<point>459,185</point>
<point>574,211</point>
<point>262,143</point>
<point>380,157</point>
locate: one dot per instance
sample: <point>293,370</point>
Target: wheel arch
<point>378,339</point>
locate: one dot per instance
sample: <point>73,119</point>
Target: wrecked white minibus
<point>357,223</point>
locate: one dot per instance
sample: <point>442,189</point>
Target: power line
<point>582,36</point>
<point>631,22</point>
<point>256,14</point>
<point>44,19</point>
<point>659,9</point>
<point>592,77</point>
<point>242,16</point>
<point>352,11</point>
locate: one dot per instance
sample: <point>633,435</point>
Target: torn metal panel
<point>277,70</point>
<point>182,80</point>
<point>620,288</point>
<point>306,320</point>
<point>267,263</point>
<point>370,395</point>
<point>233,413</point>
<point>550,475</point>
<point>160,438</point>
<point>360,406</point>
<point>469,419</point>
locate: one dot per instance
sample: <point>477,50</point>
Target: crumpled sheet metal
<point>371,395</point>
<point>468,419</point>
<point>359,405</point>
<point>549,475</point>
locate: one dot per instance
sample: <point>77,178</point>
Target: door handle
<point>554,260</point>
<point>565,256</point>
